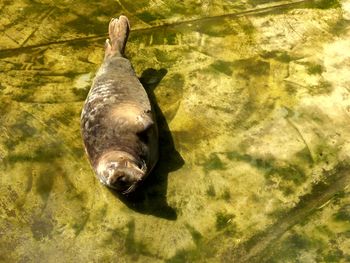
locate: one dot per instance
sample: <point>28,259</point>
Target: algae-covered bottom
<point>253,103</point>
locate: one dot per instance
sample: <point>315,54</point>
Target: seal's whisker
<point>130,189</point>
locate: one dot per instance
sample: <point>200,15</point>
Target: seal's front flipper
<point>145,128</point>
<point>144,123</point>
<point>118,33</point>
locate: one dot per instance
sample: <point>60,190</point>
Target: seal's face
<point>120,171</point>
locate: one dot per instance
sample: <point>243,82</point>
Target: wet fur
<point>117,121</point>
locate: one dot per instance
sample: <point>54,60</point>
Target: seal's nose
<point>120,181</point>
<point>111,180</point>
<point>117,180</point>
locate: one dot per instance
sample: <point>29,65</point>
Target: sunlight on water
<point>253,103</point>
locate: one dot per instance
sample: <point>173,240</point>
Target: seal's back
<point>117,122</point>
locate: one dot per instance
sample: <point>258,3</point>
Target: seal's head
<point>121,171</point>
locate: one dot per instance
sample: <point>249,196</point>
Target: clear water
<point>253,103</point>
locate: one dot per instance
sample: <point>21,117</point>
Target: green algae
<point>325,4</point>
<point>66,117</point>
<point>214,163</point>
<point>343,214</point>
<point>252,109</point>
<point>253,67</point>
<point>211,191</point>
<point>224,222</point>
<point>216,28</point>
<point>340,27</point>
<point>134,248</point>
<point>291,172</point>
<point>147,16</point>
<point>42,229</point>
<point>226,195</point>
<point>223,66</point>
<point>45,182</point>
<point>196,236</point>
<point>319,244</point>
<point>315,69</point>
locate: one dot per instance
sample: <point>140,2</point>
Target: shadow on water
<point>150,197</point>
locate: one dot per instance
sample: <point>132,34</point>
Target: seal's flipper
<point>144,123</point>
<point>118,33</point>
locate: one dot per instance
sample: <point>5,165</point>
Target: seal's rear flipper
<point>118,34</point>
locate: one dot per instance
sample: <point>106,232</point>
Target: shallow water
<point>253,104</point>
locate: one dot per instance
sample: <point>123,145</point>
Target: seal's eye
<point>112,166</point>
<point>122,179</point>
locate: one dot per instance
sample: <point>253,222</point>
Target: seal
<point>118,126</point>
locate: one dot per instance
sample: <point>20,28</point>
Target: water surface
<point>253,102</point>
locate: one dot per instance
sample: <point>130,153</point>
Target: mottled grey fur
<point>117,123</point>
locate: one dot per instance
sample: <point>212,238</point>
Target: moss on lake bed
<point>252,95</point>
